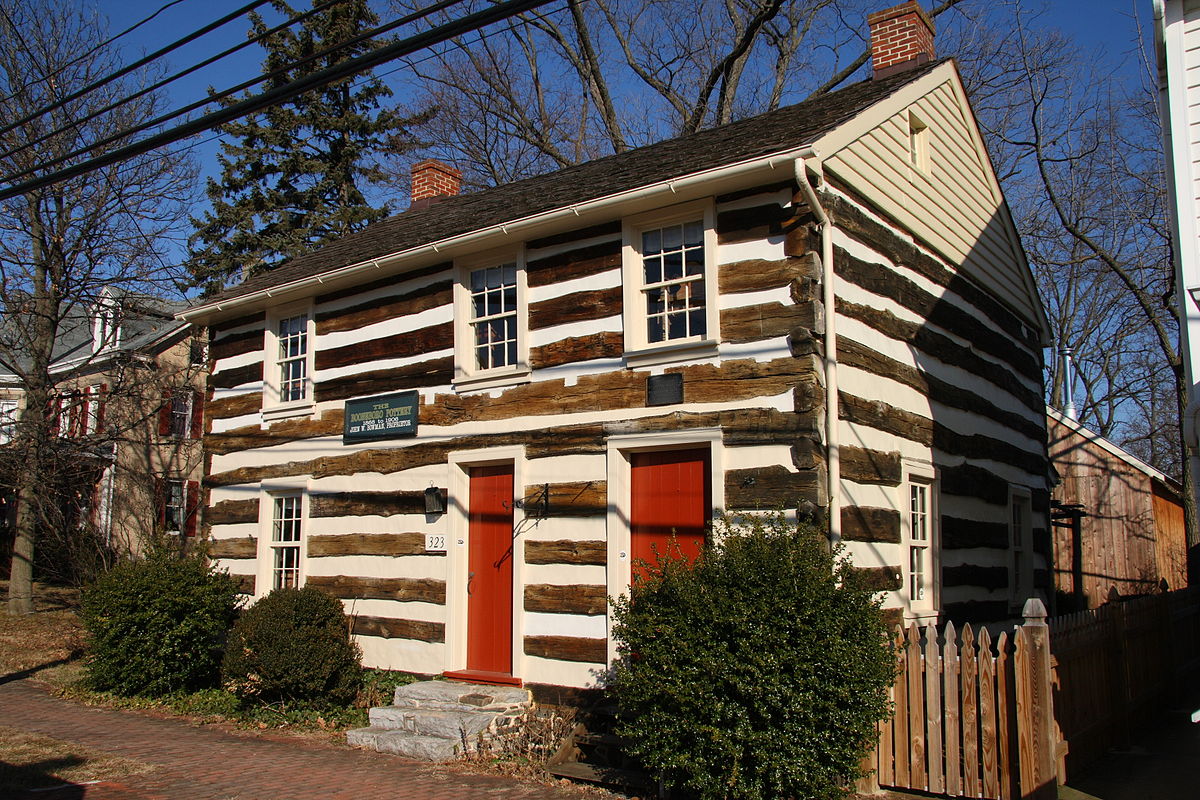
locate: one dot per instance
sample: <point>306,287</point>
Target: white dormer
<point>106,323</point>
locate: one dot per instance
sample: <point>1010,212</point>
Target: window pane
<point>672,237</point>
<point>653,270</point>
<point>673,266</point>
<point>651,242</point>
<point>693,233</point>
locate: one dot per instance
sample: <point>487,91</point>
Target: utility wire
<point>277,73</point>
<point>441,33</point>
<point>90,52</point>
<point>406,64</point>
<point>141,62</point>
<point>75,123</point>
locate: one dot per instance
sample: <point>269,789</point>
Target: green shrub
<point>293,646</point>
<point>758,672</point>
<point>157,625</point>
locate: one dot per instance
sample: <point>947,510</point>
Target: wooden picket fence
<point>973,716</point>
<point>1010,718</point>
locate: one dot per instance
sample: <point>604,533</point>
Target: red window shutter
<point>52,415</point>
<point>193,508</point>
<point>160,501</point>
<point>164,414</point>
<point>197,414</point>
<point>102,399</point>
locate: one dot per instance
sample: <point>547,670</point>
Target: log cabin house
<point>471,419</point>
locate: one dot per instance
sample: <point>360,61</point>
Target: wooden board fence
<point>1011,717</point>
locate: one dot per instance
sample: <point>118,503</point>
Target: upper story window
<point>673,281</point>
<point>181,415</point>
<point>918,142</point>
<point>494,316</point>
<point>106,324</point>
<point>8,420</point>
<point>670,287</point>
<point>287,376</point>
<point>292,359</point>
<point>491,328</point>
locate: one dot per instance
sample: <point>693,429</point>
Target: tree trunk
<point>31,432</point>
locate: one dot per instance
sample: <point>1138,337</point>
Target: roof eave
<point>780,160</point>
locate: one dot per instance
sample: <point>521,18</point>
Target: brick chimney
<point>431,181</point>
<point>901,38</point>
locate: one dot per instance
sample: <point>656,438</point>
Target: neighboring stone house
<point>470,420</point>
<point>127,415</point>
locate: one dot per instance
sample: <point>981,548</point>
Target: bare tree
<point>596,78</point>
<point>62,246</point>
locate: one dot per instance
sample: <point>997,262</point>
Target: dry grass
<point>31,761</point>
<point>47,644</point>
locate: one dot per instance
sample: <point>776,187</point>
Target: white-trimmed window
<point>181,413</point>
<point>8,420</point>
<point>174,505</point>
<point>288,388</point>
<point>918,142</point>
<point>1020,546</point>
<point>491,313</point>
<point>287,520</point>
<point>919,524</point>
<point>670,293</point>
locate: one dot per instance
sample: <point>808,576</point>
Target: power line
<point>277,73</point>
<point>90,52</point>
<point>482,35</point>
<point>499,11</point>
<point>75,123</point>
<point>141,62</point>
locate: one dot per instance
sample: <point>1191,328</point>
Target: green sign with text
<point>386,417</point>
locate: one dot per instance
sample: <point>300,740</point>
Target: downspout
<point>828,299</point>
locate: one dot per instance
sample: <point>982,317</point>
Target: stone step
<point>451,696</point>
<point>432,721</point>
<point>404,743</point>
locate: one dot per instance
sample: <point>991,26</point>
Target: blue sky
<point>1105,27</point>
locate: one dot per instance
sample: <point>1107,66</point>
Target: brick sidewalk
<point>204,763</point>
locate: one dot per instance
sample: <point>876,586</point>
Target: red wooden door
<point>490,571</point>
<point>670,506</point>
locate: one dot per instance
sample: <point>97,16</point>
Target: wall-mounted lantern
<point>433,501</point>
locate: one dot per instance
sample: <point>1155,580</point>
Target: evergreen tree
<point>292,176</point>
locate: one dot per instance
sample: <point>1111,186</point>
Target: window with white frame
<point>8,420</point>
<point>286,523</point>
<point>494,317</point>
<point>292,358</point>
<point>95,396</point>
<point>669,276</point>
<point>1020,546</point>
<point>918,142</point>
<point>174,505</point>
<point>287,389</point>
<point>181,413</point>
<point>491,329</point>
<point>920,526</point>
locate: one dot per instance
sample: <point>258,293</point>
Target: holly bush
<point>157,625</point>
<point>757,672</point>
